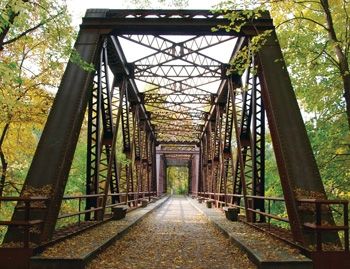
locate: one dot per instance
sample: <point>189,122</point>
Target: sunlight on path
<point>174,236</point>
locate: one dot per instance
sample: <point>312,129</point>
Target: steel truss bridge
<point>162,93</point>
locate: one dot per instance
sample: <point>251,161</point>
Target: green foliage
<point>76,58</point>
<point>237,18</point>
<point>177,180</point>
<point>243,58</point>
<point>77,174</point>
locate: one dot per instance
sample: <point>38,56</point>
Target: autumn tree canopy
<point>35,41</point>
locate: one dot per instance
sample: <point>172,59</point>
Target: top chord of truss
<point>171,22</point>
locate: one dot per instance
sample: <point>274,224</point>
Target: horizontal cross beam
<point>156,22</point>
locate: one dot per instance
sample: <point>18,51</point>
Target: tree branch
<point>332,59</point>
<point>11,18</point>
<point>303,4</point>
<point>31,29</point>
<point>319,54</point>
<point>303,18</point>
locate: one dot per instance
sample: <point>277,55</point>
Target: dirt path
<point>174,236</point>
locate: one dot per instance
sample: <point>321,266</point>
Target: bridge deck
<point>174,236</point>
<point>177,233</point>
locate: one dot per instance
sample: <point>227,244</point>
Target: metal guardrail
<point>30,203</point>
<point>226,196</point>
<point>319,227</point>
<point>130,199</point>
<point>26,223</point>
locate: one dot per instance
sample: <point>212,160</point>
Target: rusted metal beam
<point>101,110</point>
<point>160,22</point>
<point>177,152</point>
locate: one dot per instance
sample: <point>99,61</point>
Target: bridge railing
<point>27,224</point>
<point>29,204</point>
<point>319,226</point>
<point>228,200</point>
<point>131,199</point>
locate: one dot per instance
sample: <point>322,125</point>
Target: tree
<point>315,40</point>
<point>18,18</point>
<point>177,179</point>
<point>36,38</point>
<point>328,27</point>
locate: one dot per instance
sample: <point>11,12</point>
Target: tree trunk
<point>3,159</point>
<point>343,61</point>
<point>346,81</point>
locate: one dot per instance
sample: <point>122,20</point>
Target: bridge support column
<point>161,174</point>
<point>194,173</point>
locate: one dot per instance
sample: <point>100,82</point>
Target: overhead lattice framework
<point>178,79</point>
<point>161,82</point>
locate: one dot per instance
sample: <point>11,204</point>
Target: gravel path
<point>174,236</point>
<point>263,245</point>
